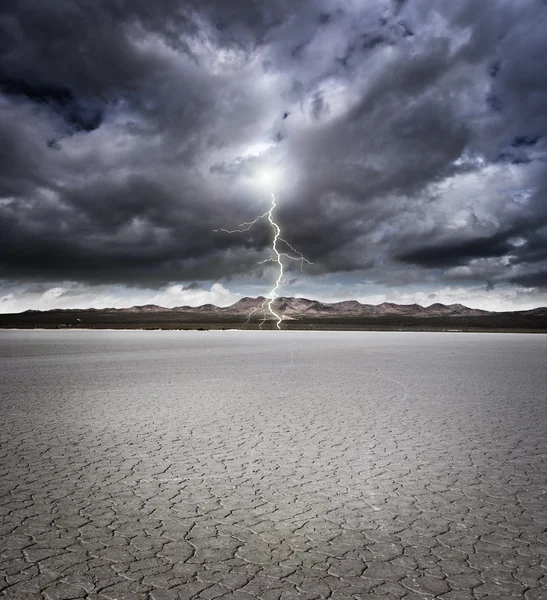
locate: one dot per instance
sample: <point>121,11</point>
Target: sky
<point>405,142</point>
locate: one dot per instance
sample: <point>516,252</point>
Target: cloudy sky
<point>406,143</point>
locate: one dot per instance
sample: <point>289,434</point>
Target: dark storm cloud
<point>446,253</point>
<point>134,127</point>
<point>78,115</point>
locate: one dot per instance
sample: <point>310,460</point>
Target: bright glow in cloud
<point>268,176</point>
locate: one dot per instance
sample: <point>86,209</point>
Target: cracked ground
<point>272,465</point>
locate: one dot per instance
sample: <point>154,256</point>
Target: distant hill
<point>299,307</point>
<point>298,313</point>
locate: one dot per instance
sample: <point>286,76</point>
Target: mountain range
<point>295,308</point>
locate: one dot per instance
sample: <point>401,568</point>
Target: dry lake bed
<point>161,465</point>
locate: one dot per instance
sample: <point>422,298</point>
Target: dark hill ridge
<point>298,313</point>
<point>295,308</point>
<point>292,307</point>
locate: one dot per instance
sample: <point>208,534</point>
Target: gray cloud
<point>412,139</point>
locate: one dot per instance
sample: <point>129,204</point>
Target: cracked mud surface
<point>173,465</point>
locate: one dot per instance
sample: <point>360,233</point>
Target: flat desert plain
<point>163,465</point>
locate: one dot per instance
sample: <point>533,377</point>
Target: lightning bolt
<point>269,300</point>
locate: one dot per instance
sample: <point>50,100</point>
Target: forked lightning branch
<point>277,258</point>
